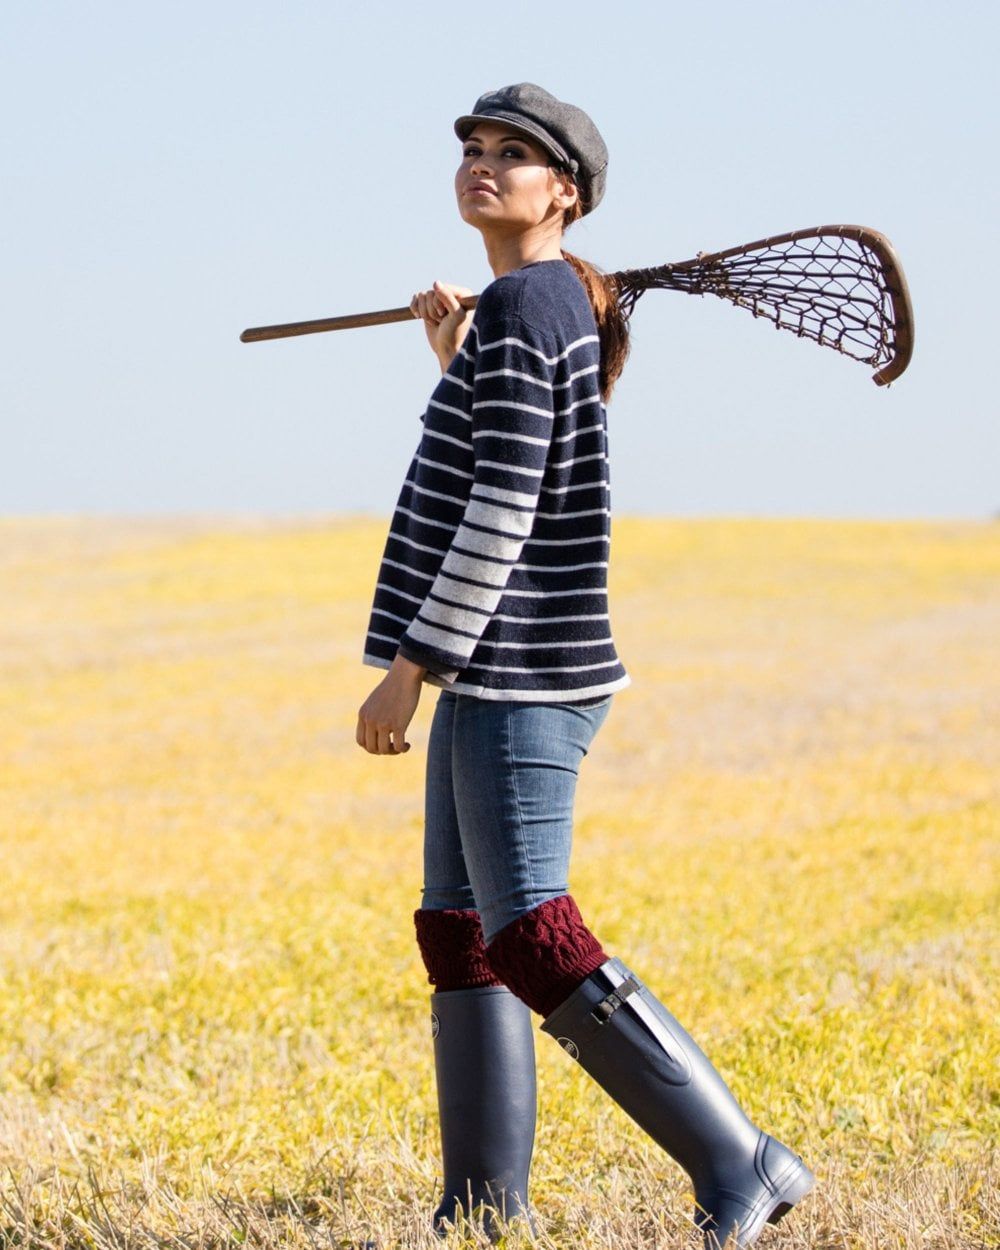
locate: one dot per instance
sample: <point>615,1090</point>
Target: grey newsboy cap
<point>562,129</point>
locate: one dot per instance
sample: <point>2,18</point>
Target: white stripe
<point>449,438</point>
<point>437,551</point>
<point>458,412</point>
<point>470,621</point>
<point>562,464</point>
<point>568,668</point>
<point>436,494</point>
<point>403,620</point>
<point>586,429</point>
<point>494,574</point>
<point>556,594</point>
<point>580,373</point>
<point>505,496</point>
<point>549,620</point>
<point>431,636</point>
<point>515,342</point>
<point>448,468</point>
<point>589,399</point>
<point>566,516</point>
<point>540,646</point>
<point>383,637</point>
<point>563,490</point>
<point>514,468</point>
<point>509,403</point>
<point>483,598</point>
<point>551,360</point>
<point>524,695</point>
<point>505,545</point>
<point>424,520</point>
<point>514,373</point>
<point>587,338</point>
<point>452,377</point>
<point>547,594</point>
<point>563,568</point>
<point>520,438</point>
<point>402,593</point>
<point>565,542</point>
<point>395,564</point>
<point>490,516</point>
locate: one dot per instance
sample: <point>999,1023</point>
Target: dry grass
<point>213,1015</point>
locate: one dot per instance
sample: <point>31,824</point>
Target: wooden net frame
<point>841,286</point>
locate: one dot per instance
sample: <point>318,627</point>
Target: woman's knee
<point>453,949</point>
<point>448,898</point>
<point>496,913</point>
<point>544,954</point>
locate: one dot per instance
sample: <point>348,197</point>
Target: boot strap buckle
<point>606,1008</point>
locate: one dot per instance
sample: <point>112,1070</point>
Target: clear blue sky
<point>175,173</point>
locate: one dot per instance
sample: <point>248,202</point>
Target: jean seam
<point>450,887</point>
<point>517,799</point>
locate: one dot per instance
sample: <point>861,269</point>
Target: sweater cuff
<point>417,656</point>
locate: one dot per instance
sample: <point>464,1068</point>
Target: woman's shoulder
<point>545,295</point>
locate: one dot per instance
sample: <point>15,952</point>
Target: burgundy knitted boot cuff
<point>545,954</point>
<point>452,947</point>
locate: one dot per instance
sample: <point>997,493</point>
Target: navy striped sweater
<point>495,570</point>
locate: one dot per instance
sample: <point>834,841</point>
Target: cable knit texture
<point>453,950</point>
<point>545,954</point>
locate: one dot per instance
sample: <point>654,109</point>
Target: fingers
<point>450,295</point>
<point>434,304</point>
<point>425,304</point>
<point>428,305</point>
<point>447,297</point>
<point>449,288</point>
<point>445,302</point>
<point>380,739</point>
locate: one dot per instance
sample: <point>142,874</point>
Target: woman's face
<point>522,189</point>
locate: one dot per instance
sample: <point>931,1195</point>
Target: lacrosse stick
<point>841,286</point>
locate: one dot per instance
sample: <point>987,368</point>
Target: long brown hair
<point>612,326</point>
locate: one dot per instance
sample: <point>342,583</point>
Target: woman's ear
<point>566,190</point>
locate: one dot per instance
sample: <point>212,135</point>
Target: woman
<point>493,587</point>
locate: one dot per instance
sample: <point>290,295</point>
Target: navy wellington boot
<point>484,1060</point>
<point>619,1032</point>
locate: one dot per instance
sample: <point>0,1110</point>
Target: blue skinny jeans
<point>498,804</point>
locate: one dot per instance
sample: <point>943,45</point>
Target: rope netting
<point>830,287</point>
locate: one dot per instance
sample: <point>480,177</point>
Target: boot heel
<point>796,1189</point>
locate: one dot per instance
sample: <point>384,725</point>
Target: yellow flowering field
<point>214,1020</point>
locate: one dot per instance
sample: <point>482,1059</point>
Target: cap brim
<point>467,122</point>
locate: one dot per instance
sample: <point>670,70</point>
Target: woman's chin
<point>484,215</point>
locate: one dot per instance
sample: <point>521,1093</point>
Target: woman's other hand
<point>445,320</point>
<point>388,710</point>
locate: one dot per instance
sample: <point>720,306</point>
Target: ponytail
<point>612,326</point>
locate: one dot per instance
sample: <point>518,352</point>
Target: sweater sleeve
<point>512,422</point>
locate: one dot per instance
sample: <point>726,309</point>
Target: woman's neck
<point>506,253</point>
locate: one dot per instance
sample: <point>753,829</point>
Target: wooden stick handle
<point>257,333</point>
